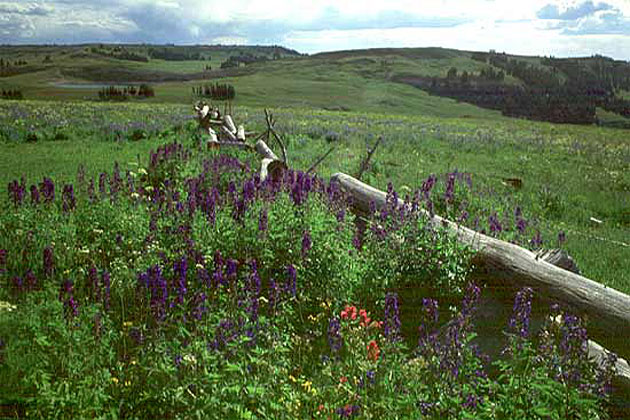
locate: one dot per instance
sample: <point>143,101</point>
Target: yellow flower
<point>307,385</point>
<point>292,378</point>
<point>115,380</point>
<point>127,324</point>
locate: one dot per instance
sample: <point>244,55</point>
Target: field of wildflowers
<point>186,287</point>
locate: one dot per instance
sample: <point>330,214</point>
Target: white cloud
<point>599,26</point>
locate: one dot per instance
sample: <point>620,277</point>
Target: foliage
<point>189,287</point>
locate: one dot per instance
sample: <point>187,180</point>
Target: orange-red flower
<point>343,379</point>
<point>349,312</point>
<point>365,319</point>
<point>373,351</point>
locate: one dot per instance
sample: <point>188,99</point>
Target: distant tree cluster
<point>120,53</point>
<point>12,94</point>
<point>245,58</point>
<point>217,92</point>
<point>559,90</point>
<point>176,54</point>
<point>7,63</point>
<point>113,93</point>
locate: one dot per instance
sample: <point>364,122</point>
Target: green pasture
<point>569,173</point>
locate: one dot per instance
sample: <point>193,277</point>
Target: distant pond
<point>92,85</point>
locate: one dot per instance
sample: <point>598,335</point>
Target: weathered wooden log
<point>507,266</point>
<point>235,144</point>
<point>270,164</point>
<point>226,131</point>
<point>227,121</point>
<point>240,133</point>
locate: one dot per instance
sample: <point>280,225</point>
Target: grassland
<point>569,173</point>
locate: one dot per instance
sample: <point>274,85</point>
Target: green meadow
<point>146,276</point>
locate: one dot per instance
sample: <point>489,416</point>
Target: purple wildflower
<point>105,280</point>
<point>49,261</point>
<point>263,220</point>
<point>335,341</point>
<point>3,261</point>
<point>47,190</point>
<point>66,295</point>
<point>519,322</point>
<point>391,327</point>
<point>306,243</point>
<point>292,283</point>
<point>34,195</point>
<point>69,202</point>
<point>181,269</point>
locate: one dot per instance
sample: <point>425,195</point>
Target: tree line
<point>558,90</point>
<point>122,94</point>
<point>218,92</point>
<point>12,94</point>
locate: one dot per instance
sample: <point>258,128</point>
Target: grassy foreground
<point>180,285</point>
<point>569,173</point>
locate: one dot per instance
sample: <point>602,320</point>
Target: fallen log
<point>507,266</point>
<point>229,123</point>
<point>270,164</point>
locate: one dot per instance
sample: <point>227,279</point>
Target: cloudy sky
<point>537,27</point>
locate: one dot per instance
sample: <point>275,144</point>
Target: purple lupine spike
<point>495,225</point>
<point>231,268</point>
<point>292,280</point>
<point>69,202</point>
<point>341,215</point>
<point>18,284</point>
<point>519,322</point>
<point>391,327</point>
<point>90,191</point>
<point>3,261</point>
<point>471,298</point>
<point>102,181</point>
<point>105,279</point>
<point>307,244</point>
<point>47,190</point>
<point>17,190</point>
<point>66,295</point>
<point>562,238</point>
<point>254,283</point>
<point>93,283</point>
<point>450,187</point>
<point>30,280</point>
<point>48,261</point>
<point>34,195</point>
<point>428,185</point>
<point>180,269</point>
<point>263,220</point>
<point>335,341</point>
<point>521,225</point>
<point>536,241</point>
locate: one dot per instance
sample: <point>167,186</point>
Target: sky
<point>560,28</point>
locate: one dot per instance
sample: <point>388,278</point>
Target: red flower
<point>349,312</point>
<point>373,351</point>
<point>343,380</point>
<point>365,319</point>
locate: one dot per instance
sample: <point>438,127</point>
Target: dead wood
<point>320,160</point>
<point>507,266</point>
<point>365,163</point>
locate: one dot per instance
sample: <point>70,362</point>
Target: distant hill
<point>439,81</point>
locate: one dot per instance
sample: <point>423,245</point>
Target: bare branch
<point>366,161</point>
<point>318,161</point>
